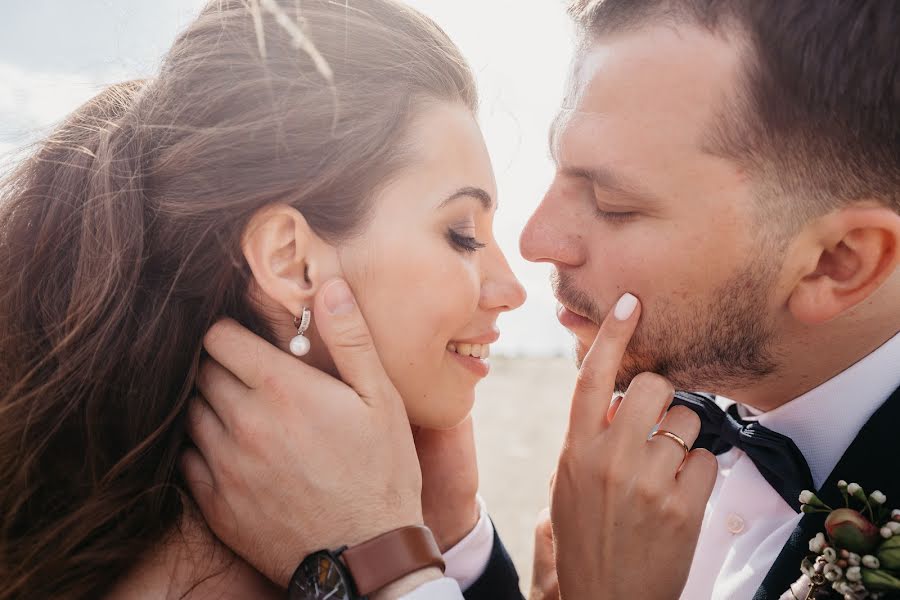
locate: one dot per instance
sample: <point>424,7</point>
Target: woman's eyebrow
<point>474,192</point>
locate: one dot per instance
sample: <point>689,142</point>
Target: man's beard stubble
<point>715,344</point>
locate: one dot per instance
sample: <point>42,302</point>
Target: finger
<point>617,402</point>
<point>613,408</point>
<point>225,393</point>
<point>543,536</point>
<point>697,477</point>
<point>204,427</point>
<point>552,483</point>
<point>597,376</point>
<point>666,455</point>
<point>246,355</point>
<point>199,478</point>
<point>647,397</point>
<point>344,331</point>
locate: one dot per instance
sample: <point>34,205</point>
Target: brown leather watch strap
<point>387,558</point>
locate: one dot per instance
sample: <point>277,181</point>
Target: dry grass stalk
<point>300,39</point>
<point>258,24</point>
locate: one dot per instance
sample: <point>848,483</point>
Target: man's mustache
<point>574,298</point>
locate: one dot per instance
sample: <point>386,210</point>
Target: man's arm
<point>500,580</point>
<point>481,565</point>
<point>265,417</point>
<point>286,462</point>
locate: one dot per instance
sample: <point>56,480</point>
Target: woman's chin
<point>446,418</point>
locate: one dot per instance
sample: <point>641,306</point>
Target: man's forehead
<point>670,80</point>
<point>570,128</point>
<point>583,69</point>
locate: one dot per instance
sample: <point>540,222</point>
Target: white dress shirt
<point>466,561</point>
<point>747,523</point>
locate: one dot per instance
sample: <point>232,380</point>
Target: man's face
<point>639,205</point>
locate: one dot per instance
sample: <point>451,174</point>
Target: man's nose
<point>552,234</point>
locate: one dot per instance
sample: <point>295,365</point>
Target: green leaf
<point>879,580</point>
<point>889,554</point>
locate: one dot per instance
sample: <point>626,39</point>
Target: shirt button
<point>735,524</point>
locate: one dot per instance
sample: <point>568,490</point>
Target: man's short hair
<point>817,113</point>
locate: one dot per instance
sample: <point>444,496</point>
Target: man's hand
<point>289,460</point>
<point>626,510</point>
<point>449,482</point>
<point>544,583</point>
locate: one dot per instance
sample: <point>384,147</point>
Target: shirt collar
<point>824,421</point>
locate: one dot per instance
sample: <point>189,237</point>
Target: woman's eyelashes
<point>463,242</point>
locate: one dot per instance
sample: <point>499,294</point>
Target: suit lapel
<point>860,464</point>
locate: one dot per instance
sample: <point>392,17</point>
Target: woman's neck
<point>192,564</point>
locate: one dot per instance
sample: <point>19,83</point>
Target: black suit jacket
<point>870,461</point>
<point>500,581</point>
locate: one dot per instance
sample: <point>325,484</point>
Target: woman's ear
<point>288,260</point>
<point>850,253</point>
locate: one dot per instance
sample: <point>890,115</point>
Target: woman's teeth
<point>475,350</point>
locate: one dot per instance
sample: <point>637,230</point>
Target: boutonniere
<point>857,557</point>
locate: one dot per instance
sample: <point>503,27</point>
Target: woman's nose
<point>501,289</point>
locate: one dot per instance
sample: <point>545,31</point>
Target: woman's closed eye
<point>463,241</point>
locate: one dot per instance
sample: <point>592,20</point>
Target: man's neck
<point>810,362</point>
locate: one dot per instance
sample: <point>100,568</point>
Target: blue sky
<point>55,54</point>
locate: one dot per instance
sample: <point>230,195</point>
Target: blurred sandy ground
<point>520,418</point>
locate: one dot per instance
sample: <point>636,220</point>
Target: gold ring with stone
<point>672,436</point>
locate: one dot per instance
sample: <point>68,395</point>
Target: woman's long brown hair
<point>120,246</point>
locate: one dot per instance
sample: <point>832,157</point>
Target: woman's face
<point>427,272</point>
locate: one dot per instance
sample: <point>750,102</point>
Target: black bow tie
<point>776,456</point>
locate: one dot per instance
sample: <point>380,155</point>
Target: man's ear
<point>847,255</point>
<point>288,260</point>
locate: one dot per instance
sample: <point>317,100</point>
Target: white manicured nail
<point>625,307</point>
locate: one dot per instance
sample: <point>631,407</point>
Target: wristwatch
<point>354,573</point>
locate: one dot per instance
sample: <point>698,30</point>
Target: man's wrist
<point>356,536</point>
<point>364,532</point>
<point>406,584</point>
<point>448,532</point>
<point>468,559</point>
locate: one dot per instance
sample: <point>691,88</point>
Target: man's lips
<point>574,321</point>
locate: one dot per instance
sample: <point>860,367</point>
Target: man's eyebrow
<point>610,181</point>
<point>602,177</point>
<point>473,192</point>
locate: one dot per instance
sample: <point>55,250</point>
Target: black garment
<point>870,461</point>
<point>500,581</point>
<point>776,456</point>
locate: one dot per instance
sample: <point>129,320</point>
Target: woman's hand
<point>626,509</point>
<point>449,481</point>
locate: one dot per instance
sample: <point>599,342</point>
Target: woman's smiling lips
<point>473,352</point>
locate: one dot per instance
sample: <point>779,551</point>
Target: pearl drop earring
<point>300,343</point>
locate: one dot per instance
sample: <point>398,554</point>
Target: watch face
<point>321,576</point>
